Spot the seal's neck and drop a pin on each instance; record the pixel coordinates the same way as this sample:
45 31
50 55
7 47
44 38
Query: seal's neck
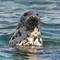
35 32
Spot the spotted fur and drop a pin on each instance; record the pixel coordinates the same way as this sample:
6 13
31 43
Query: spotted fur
28 31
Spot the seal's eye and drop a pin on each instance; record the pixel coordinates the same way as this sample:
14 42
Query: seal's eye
25 14
37 14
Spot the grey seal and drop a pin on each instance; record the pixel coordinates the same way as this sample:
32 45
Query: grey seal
28 31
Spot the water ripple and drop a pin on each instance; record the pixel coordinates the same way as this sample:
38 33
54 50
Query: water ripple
49 12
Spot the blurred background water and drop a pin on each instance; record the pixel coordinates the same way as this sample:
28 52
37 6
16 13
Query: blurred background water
49 11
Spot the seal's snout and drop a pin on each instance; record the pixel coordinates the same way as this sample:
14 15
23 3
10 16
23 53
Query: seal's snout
34 18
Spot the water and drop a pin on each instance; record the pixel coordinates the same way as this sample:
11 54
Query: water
49 11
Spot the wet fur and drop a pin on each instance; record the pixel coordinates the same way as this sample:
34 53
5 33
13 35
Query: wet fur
27 33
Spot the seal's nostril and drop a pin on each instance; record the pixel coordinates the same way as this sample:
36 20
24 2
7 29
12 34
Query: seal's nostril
31 17
34 18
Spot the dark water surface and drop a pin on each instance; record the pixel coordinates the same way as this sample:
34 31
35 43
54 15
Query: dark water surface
49 11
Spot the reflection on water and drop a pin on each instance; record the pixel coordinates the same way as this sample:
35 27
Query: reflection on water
28 56
29 53
49 11
29 49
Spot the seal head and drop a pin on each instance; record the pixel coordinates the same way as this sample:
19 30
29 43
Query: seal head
30 19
